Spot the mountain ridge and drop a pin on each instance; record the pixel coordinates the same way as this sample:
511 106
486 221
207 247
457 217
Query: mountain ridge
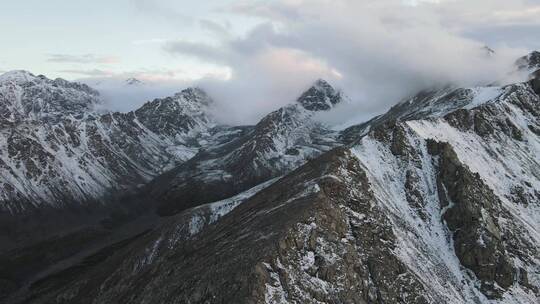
435 201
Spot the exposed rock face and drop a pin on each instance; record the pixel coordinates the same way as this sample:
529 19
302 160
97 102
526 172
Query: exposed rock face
65 166
472 212
320 97
342 228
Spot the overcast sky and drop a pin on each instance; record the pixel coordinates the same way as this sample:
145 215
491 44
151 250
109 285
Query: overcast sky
257 55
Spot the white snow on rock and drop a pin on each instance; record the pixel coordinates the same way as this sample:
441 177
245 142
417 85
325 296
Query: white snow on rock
483 95
502 162
56 149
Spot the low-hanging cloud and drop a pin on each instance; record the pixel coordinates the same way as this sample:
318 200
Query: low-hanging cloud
378 52
128 91
85 58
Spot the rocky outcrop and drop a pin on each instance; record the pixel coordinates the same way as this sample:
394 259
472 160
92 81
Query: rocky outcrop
472 212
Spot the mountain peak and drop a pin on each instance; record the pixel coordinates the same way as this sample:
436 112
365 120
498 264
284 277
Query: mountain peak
530 61
195 94
488 51
321 96
17 76
38 97
133 82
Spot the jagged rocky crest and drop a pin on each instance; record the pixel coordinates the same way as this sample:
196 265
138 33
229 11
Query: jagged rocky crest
435 201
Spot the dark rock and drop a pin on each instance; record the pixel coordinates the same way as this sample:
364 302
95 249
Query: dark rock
320 97
472 213
535 82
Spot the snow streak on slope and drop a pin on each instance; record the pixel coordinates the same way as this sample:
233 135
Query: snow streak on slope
483 95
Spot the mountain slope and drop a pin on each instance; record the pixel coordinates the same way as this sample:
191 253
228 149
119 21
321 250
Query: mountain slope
529 62
23 96
279 143
59 151
438 208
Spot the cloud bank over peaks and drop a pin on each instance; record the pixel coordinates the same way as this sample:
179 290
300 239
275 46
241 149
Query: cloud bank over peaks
378 52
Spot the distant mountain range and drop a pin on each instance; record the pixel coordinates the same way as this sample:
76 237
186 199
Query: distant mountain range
435 201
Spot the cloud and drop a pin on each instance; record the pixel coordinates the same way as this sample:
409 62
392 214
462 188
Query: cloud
88 73
274 10
378 52
162 10
263 82
117 95
149 41
519 35
85 59
202 51
218 30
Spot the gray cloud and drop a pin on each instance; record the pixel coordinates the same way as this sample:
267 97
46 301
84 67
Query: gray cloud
88 73
520 36
85 58
274 10
377 52
200 50
218 30
117 95
162 10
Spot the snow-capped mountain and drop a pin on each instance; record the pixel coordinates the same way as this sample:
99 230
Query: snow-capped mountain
59 151
24 96
435 201
426 104
282 141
